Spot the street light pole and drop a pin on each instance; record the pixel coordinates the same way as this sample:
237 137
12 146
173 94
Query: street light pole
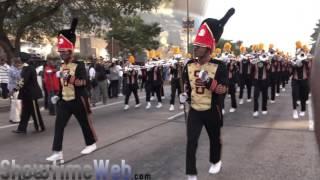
111 48
188 25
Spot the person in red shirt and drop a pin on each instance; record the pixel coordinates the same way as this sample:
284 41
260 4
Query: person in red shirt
51 82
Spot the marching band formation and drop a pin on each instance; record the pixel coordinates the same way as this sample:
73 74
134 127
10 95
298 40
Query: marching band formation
260 72
203 81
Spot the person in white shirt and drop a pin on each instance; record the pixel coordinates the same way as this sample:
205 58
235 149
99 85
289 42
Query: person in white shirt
4 78
93 84
14 77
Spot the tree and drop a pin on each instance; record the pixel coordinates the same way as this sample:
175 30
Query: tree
35 19
315 35
134 35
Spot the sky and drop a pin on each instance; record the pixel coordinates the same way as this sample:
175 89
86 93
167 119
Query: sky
280 22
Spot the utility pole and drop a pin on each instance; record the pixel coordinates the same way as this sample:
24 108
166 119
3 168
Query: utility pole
188 26
111 48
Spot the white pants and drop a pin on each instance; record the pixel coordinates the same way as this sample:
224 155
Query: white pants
15 108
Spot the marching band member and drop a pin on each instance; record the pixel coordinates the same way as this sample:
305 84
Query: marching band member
245 70
232 70
274 73
284 72
73 96
153 83
261 68
131 76
176 82
29 93
300 70
205 82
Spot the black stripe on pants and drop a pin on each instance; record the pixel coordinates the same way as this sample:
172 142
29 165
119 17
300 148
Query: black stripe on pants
245 81
132 88
30 108
260 86
212 121
64 111
232 92
150 87
299 92
175 86
273 85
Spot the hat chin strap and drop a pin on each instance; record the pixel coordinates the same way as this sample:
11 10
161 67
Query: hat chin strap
203 59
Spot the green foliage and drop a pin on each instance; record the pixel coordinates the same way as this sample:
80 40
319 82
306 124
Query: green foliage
34 19
134 35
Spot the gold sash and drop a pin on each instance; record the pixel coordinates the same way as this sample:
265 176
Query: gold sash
201 97
68 90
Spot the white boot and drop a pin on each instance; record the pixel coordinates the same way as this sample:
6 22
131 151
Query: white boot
232 110
181 106
89 149
295 114
126 107
137 105
192 177
264 112
249 100
272 101
255 114
159 105
171 107
277 94
241 101
148 105
223 112
152 98
56 156
215 168
302 113
283 89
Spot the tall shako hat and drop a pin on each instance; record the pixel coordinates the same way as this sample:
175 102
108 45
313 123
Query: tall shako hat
67 37
211 30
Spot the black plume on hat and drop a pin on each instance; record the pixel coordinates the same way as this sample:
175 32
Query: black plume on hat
216 26
70 33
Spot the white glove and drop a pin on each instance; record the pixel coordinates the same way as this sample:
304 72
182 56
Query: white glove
203 75
183 97
55 99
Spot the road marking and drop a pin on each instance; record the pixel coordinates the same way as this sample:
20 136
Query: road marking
176 115
310 113
94 108
7 126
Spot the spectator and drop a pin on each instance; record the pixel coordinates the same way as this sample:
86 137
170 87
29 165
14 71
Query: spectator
51 83
14 77
101 86
119 66
114 81
93 82
4 77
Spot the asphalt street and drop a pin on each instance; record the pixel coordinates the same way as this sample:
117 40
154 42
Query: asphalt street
271 147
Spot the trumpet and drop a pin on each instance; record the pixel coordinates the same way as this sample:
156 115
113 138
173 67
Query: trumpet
299 59
262 58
